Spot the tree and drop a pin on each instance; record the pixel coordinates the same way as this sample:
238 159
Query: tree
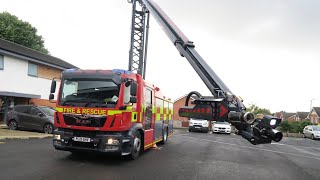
20 32
257 110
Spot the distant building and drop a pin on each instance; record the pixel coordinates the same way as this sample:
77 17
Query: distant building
314 115
302 116
25 75
286 115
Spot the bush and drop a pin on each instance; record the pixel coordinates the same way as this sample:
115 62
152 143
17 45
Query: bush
293 127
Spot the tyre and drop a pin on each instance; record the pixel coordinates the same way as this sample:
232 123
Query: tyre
13 125
304 136
165 136
137 146
48 128
312 137
190 130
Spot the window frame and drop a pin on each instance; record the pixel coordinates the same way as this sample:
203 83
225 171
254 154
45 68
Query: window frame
37 68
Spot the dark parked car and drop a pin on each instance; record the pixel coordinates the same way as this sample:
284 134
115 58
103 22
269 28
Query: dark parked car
31 117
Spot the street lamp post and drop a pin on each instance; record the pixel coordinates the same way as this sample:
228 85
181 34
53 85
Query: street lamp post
311 103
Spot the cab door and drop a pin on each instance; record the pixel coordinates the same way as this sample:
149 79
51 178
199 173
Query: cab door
148 118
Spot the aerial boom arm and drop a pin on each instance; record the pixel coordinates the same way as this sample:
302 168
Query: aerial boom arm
223 105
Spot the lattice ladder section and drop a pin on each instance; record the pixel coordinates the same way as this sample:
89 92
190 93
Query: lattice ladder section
139 38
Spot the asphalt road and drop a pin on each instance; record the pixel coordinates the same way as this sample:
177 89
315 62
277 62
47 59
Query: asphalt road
185 156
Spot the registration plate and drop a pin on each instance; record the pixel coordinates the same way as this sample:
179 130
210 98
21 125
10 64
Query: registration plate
81 139
197 127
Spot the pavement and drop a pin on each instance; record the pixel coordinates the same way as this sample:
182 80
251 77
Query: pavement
187 155
6 133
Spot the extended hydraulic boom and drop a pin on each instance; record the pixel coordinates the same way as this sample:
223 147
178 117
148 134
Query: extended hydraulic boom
223 105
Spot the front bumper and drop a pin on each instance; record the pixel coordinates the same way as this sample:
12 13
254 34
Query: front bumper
198 128
98 142
217 130
316 136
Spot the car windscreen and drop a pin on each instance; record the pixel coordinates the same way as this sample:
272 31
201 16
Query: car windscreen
221 123
316 128
88 91
48 111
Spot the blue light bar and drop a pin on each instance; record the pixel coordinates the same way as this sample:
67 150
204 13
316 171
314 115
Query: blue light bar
122 71
70 70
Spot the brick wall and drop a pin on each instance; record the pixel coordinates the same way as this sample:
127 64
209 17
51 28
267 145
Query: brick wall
47 72
42 102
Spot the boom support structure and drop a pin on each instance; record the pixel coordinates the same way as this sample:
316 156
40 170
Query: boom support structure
223 105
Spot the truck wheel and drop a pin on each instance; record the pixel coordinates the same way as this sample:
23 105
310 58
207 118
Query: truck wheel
13 125
136 148
165 136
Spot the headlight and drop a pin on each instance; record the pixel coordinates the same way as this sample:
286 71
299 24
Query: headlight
273 122
111 141
56 136
191 123
205 123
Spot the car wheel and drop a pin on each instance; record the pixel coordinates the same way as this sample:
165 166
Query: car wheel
48 128
312 137
190 130
13 125
136 148
304 136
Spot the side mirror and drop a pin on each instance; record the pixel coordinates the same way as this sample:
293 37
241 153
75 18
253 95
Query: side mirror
51 96
133 99
133 89
53 86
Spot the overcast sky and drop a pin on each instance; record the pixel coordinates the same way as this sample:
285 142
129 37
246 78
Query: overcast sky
266 51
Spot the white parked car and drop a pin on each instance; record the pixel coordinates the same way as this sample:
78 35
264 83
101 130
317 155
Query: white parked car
198 125
312 132
221 127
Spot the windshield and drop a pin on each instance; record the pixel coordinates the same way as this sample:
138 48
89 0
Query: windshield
316 128
221 123
48 111
89 92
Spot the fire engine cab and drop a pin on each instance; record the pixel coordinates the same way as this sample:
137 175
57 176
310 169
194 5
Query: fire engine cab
109 111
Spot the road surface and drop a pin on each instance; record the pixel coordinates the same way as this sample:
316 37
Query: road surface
187 155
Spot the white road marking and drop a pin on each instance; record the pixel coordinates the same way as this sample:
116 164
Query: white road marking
260 149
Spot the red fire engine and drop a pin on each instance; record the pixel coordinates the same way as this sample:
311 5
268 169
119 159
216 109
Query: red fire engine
110 111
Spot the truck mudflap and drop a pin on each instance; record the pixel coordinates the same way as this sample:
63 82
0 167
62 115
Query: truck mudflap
92 141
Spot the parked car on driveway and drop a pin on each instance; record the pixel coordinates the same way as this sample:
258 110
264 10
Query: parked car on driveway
221 127
198 125
312 132
31 117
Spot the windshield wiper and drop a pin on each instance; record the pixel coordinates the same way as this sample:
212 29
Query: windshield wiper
96 101
69 102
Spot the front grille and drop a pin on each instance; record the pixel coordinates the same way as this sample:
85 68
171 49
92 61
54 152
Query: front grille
197 125
80 133
83 144
222 128
88 121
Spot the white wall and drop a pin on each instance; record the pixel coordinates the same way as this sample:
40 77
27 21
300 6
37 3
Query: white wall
14 78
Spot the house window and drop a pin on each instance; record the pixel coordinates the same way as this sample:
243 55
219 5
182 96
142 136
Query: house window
1 62
32 69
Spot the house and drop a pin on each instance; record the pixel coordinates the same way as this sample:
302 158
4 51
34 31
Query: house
286 115
301 116
314 115
25 75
